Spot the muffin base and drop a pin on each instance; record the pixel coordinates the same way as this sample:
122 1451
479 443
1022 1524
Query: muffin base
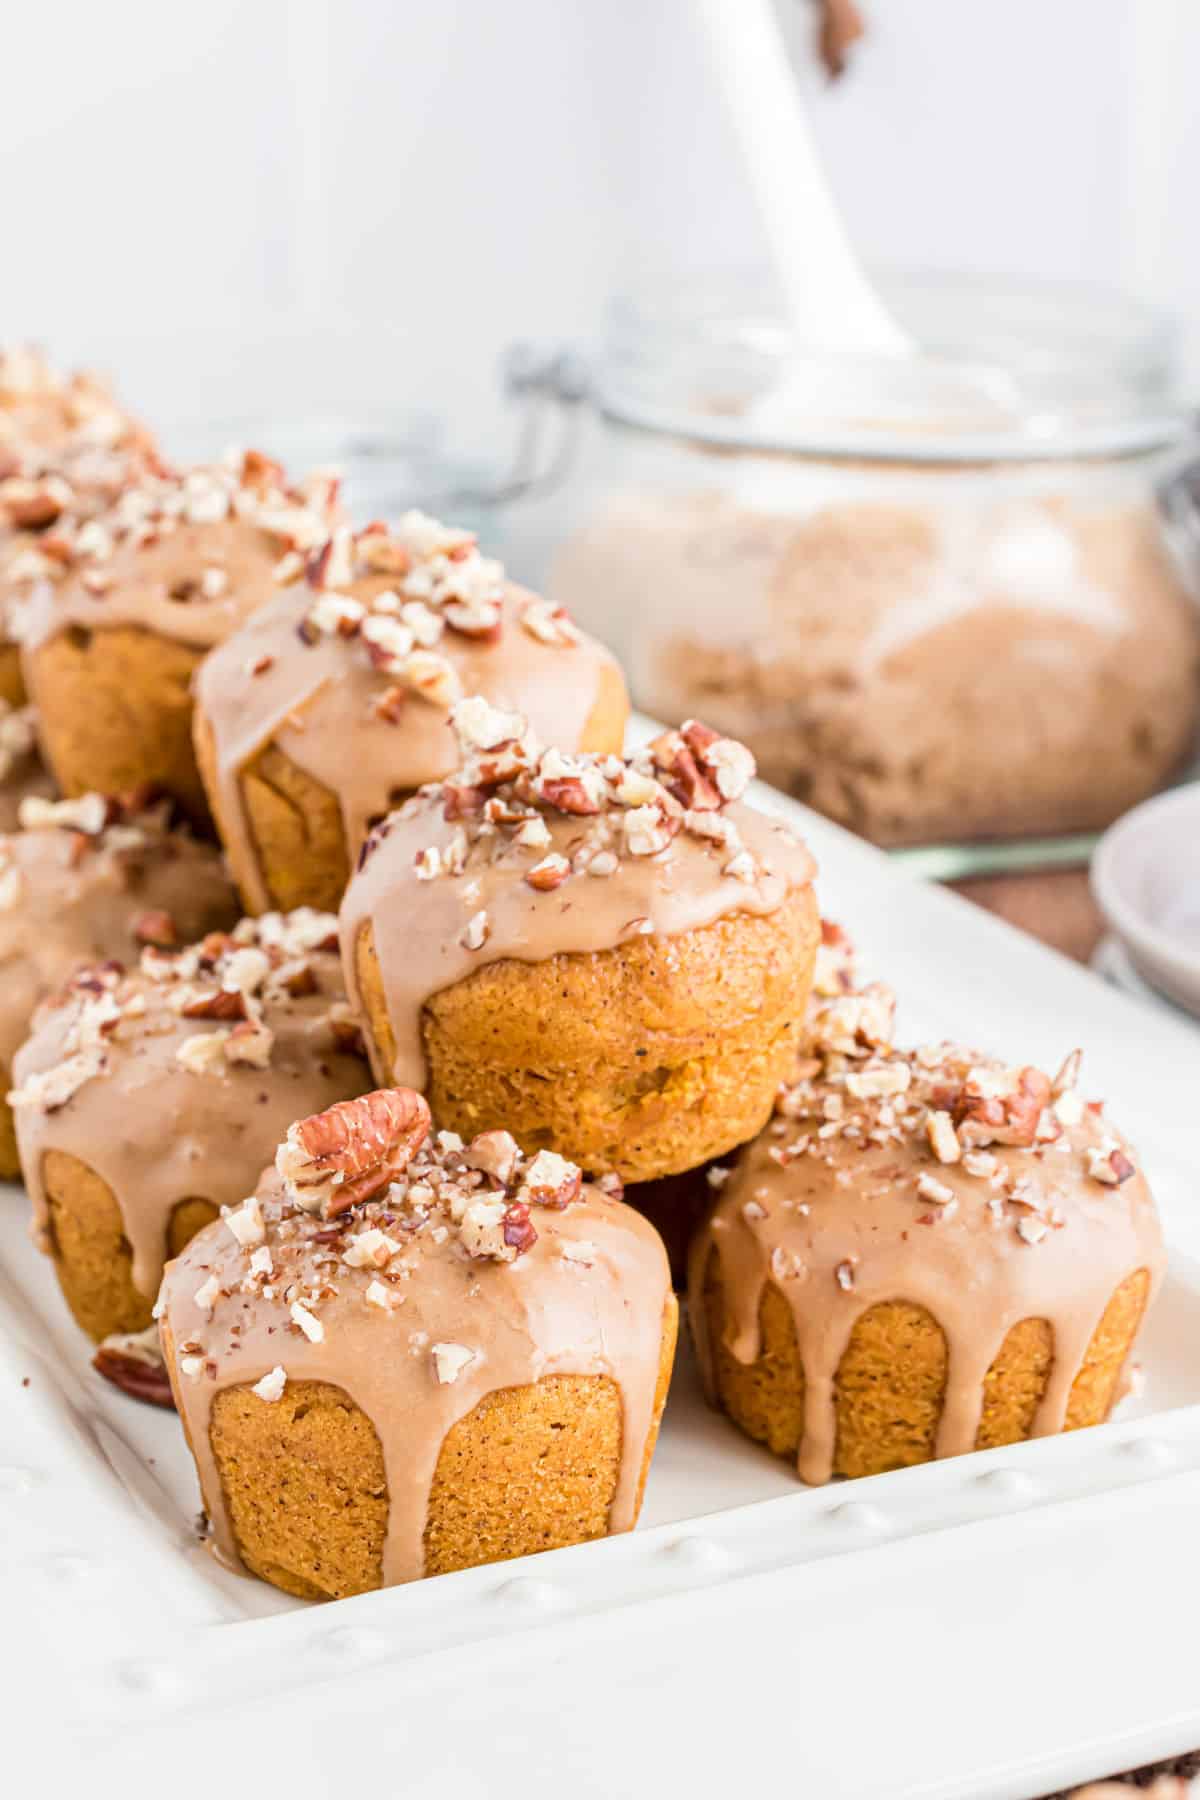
12 682
92 1259
891 1381
529 1469
115 714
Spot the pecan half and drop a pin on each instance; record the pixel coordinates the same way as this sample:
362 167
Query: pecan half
338 1158
136 1376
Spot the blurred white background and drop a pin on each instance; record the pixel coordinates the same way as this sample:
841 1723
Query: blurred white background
299 205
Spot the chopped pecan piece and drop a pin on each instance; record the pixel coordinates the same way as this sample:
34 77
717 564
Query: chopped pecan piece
221 1003
548 874
33 510
157 928
389 706
1010 1116
550 1180
570 795
460 800
519 1233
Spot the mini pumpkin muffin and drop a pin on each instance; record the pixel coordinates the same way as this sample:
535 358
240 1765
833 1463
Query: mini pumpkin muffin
925 1253
333 703
174 567
405 1354
22 773
612 956
42 408
49 491
87 880
147 1101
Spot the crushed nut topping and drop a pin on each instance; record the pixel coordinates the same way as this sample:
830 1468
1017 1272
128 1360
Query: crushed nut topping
422 581
947 1105
363 1191
449 1360
138 500
272 1384
508 792
243 983
78 405
102 823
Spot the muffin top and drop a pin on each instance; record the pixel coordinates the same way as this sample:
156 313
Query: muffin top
88 879
985 1193
418 1274
353 667
185 555
173 1080
48 499
40 408
529 853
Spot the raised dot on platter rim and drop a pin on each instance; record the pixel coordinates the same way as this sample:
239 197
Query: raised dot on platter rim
1013 1484
16 1480
149 1678
700 1552
861 1515
528 1592
1151 1450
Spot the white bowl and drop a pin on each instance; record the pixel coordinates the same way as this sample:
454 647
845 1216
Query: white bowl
1146 879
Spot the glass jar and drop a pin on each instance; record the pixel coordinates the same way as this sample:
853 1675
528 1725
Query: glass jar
941 603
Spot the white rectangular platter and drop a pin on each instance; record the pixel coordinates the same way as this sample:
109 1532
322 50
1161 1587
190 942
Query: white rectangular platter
1001 1625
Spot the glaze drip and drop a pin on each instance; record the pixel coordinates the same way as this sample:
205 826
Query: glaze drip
475 1270
77 885
526 854
983 1194
174 1082
351 670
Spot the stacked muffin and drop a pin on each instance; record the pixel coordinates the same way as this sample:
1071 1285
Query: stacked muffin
415 1328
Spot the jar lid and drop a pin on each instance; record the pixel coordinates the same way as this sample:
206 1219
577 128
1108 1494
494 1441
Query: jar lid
1003 371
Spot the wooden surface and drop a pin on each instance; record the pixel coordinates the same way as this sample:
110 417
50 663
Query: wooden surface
1054 905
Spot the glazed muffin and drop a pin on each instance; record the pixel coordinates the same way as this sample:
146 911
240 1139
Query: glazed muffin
333 703
84 881
22 772
612 957
925 1253
44 409
49 492
405 1355
147 1101
176 565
